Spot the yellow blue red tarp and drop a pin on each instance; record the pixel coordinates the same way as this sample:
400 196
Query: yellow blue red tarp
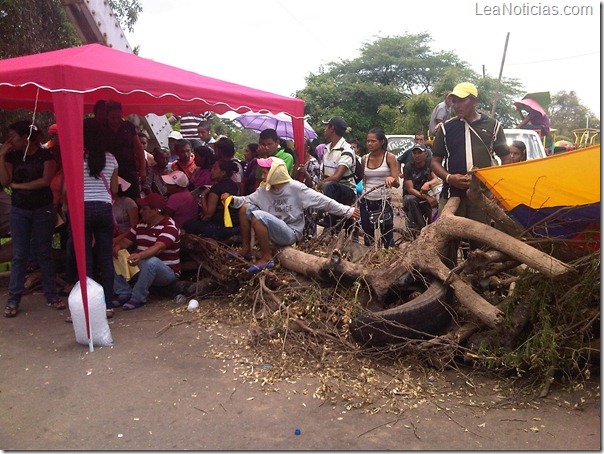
557 196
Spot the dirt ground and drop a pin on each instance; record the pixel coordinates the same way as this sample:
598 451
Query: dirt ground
185 387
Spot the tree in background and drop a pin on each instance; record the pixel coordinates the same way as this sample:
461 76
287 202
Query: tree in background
31 27
127 12
567 113
395 83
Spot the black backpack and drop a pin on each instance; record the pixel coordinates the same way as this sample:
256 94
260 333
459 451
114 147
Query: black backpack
358 170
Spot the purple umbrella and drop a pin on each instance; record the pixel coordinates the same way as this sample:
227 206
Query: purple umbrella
282 123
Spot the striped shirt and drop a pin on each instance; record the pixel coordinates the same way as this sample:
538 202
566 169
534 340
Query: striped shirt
341 154
188 125
164 231
97 189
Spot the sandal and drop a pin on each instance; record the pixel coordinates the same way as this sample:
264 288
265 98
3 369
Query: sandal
109 313
11 310
255 268
132 304
58 304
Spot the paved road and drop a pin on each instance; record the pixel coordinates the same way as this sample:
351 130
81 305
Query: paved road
165 392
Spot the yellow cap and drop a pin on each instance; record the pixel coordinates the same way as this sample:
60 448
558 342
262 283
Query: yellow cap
465 89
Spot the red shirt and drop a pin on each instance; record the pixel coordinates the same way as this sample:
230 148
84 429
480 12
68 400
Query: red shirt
187 169
164 231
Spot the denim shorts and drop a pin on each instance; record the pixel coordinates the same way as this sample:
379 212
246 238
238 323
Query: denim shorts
278 231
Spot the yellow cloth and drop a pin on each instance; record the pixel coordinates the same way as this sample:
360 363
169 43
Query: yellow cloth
277 174
122 267
571 178
227 214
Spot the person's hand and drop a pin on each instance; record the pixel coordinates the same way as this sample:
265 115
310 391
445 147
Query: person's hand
389 181
320 185
5 147
425 187
459 181
356 214
432 201
224 196
133 259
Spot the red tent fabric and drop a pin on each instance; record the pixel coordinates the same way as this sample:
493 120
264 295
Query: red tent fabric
70 81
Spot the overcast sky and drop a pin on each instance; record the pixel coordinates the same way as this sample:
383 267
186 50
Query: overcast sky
273 45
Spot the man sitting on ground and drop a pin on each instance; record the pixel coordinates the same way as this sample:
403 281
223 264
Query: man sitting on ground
157 253
275 211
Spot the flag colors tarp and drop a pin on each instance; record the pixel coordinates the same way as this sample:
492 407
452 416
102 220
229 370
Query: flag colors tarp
559 195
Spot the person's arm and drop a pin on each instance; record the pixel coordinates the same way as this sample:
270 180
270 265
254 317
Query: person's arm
456 180
124 243
392 181
50 168
139 158
6 169
115 184
212 201
152 251
133 218
338 174
524 121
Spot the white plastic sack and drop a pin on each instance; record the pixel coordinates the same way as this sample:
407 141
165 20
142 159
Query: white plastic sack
99 328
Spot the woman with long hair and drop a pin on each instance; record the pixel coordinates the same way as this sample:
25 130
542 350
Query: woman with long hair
27 169
100 186
380 173
211 222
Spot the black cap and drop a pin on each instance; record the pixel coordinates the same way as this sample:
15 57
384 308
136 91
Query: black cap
418 146
338 122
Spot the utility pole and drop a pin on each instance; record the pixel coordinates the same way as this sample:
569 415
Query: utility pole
496 100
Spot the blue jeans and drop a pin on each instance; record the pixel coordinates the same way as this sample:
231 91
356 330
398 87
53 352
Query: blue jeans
209 229
98 225
32 227
386 226
278 231
152 272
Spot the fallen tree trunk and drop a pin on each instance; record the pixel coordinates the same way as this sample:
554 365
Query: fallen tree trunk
422 256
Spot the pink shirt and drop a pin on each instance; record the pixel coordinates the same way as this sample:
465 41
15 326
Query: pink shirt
184 205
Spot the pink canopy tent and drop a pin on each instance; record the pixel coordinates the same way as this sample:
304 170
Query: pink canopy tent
70 81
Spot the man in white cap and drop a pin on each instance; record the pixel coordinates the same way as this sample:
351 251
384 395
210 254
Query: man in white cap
466 142
172 138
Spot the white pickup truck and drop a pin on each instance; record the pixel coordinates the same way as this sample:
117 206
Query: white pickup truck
534 145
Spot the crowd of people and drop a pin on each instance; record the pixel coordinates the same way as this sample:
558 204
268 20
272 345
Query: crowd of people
138 203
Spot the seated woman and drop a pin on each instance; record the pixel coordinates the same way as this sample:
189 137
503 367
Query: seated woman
204 160
248 181
211 222
125 211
